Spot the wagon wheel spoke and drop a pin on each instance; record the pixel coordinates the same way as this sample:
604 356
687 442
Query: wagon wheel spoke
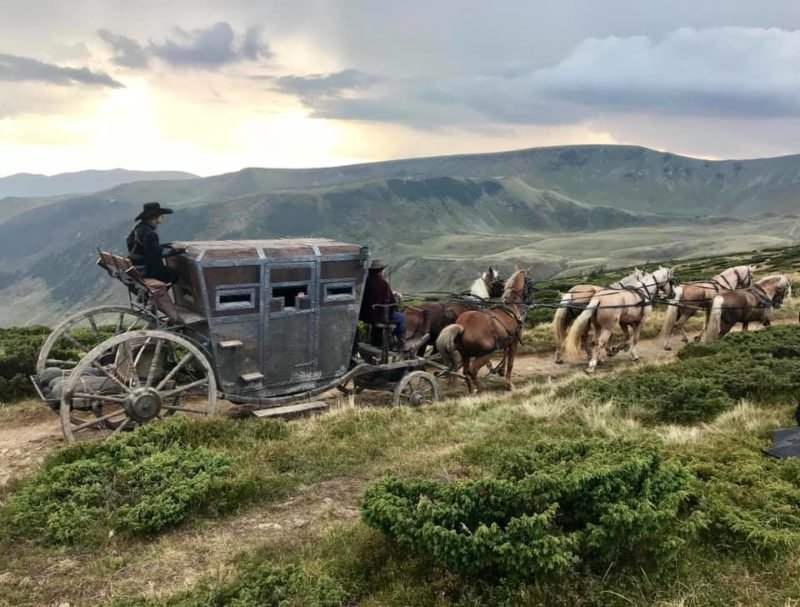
111 376
99 397
93 324
184 388
153 364
182 363
99 420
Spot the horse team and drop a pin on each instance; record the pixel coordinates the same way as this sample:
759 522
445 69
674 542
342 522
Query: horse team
476 329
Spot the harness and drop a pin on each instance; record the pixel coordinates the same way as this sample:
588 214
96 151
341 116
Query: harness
761 296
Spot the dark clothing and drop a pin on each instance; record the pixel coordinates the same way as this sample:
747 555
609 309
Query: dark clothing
378 294
145 252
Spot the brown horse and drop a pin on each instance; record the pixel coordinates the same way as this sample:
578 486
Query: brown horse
748 305
698 295
478 333
627 307
444 313
574 302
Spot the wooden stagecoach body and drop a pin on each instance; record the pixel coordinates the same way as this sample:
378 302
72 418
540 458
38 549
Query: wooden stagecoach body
278 316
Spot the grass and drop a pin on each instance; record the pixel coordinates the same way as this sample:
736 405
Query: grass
287 529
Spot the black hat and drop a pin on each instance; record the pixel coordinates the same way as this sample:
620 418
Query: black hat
377 264
152 209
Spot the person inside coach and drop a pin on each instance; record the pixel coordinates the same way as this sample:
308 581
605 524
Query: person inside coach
144 247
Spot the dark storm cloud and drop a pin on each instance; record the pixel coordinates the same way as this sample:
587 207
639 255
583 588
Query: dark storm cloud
208 48
319 86
16 68
127 52
211 47
730 72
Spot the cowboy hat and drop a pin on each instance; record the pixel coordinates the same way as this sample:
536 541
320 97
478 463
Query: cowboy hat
152 209
377 264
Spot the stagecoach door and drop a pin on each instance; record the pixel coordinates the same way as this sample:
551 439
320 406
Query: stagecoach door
292 310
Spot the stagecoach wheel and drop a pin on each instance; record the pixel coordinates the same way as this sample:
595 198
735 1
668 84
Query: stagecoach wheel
132 378
74 337
415 389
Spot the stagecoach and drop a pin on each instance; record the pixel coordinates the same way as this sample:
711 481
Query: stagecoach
259 323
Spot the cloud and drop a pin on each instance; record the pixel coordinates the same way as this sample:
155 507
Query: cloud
727 72
16 68
212 47
127 51
322 86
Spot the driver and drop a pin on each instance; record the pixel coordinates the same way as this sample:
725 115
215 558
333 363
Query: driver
144 248
378 293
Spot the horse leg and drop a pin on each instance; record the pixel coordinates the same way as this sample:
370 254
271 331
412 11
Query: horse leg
510 354
465 369
637 329
626 344
745 325
600 343
476 366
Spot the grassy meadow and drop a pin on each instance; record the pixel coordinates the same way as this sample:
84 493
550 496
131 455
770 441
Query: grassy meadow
643 486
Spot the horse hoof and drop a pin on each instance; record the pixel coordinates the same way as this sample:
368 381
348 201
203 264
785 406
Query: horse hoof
636 360
559 362
589 371
696 339
668 348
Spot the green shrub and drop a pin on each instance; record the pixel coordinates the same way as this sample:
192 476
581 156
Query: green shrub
261 585
751 500
550 509
763 366
138 484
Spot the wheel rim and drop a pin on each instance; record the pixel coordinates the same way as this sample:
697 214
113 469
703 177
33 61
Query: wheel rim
77 335
416 389
153 374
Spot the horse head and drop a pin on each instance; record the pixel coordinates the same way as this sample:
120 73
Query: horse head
664 281
519 287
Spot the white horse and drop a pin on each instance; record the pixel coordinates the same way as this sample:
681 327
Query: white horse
488 286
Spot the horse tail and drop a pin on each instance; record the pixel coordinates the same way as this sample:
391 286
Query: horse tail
714 320
561 319
573 351
673 311
446 343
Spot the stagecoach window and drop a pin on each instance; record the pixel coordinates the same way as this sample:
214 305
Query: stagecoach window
293 297
236 299
339 292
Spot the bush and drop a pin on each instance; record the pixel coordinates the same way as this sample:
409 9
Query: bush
136 485
763 366
550 508
259 585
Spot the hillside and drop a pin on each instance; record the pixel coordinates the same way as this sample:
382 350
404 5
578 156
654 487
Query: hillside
438 220
29 185
645 485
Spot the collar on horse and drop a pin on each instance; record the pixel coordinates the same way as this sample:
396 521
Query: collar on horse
762 297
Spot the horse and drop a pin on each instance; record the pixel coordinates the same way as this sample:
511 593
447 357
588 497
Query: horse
697 295
574 301
476 334
488 286
443 314
627 307
754 303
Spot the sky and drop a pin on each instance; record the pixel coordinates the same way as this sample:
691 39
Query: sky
215 86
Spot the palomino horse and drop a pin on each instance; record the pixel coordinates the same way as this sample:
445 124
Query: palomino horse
697 295
574 302
478 333
627 307
754 303
444 313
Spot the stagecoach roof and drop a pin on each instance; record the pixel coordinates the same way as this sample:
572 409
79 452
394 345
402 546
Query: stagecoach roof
257 249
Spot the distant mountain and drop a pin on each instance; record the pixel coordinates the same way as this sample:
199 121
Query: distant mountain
624 177
438 219
28 185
